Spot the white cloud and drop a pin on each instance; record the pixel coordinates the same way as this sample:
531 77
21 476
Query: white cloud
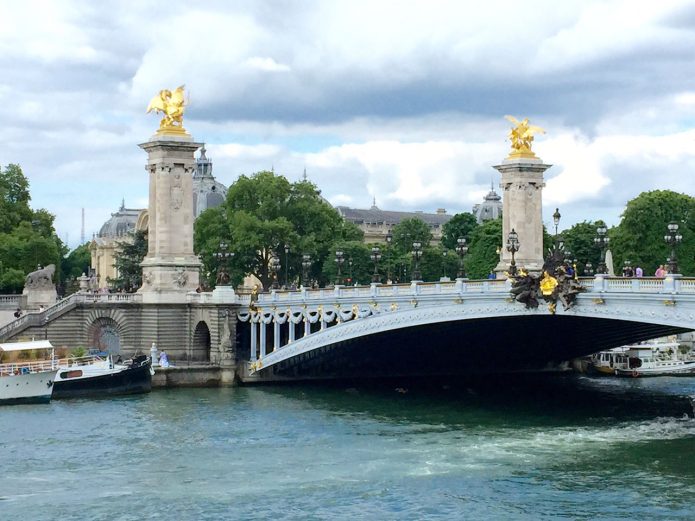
265 64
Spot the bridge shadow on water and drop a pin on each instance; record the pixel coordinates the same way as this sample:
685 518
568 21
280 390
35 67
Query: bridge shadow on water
531 399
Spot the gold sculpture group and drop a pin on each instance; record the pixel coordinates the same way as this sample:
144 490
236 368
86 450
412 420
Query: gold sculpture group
172 105
521 136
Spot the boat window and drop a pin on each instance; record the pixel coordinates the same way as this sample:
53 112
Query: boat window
71 374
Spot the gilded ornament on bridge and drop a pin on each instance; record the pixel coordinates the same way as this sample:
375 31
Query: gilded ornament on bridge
172 105
555 284
521 136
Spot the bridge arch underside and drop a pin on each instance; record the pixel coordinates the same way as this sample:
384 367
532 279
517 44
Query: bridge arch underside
473 346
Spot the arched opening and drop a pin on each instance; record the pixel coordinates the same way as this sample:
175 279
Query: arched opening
103 335
200 350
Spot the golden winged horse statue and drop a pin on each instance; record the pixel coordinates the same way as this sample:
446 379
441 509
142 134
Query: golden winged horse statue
172 105
521 136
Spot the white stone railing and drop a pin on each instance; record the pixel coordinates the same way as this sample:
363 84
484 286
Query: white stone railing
10 301
598 284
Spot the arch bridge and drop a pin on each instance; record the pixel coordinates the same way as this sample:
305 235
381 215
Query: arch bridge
453 327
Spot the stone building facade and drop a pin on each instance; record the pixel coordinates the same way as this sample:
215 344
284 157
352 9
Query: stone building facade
377 223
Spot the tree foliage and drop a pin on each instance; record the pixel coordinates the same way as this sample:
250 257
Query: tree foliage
262 215
460 225
127 260
27 237
579 240
639 237
482 256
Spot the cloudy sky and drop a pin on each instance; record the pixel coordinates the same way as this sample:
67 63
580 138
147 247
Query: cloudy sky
402 101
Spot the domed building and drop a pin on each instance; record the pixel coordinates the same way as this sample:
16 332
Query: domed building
207 193
104 244
490 208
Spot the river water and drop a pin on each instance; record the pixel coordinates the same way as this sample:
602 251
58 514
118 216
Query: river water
543 448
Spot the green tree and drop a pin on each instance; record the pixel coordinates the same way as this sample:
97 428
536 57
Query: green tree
27 237
211 229
639 237
357 266
262 215
399 259
483 254
579 239
127 260
460 225
76 263
14 198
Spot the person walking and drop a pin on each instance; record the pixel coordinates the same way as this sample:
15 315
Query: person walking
639 272
660 271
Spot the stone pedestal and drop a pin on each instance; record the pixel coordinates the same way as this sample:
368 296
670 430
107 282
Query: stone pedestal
224 295
522 183
37 298
170 268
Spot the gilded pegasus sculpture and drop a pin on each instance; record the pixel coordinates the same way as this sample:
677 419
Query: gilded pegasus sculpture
521 136
172 105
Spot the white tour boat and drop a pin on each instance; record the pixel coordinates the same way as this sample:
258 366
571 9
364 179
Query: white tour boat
27 381
652 358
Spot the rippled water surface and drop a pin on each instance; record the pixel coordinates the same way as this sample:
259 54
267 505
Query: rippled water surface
554 448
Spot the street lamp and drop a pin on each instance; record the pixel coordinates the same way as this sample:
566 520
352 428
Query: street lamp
274 268
512 247
461 250
389 240
287 264
223 255
350 268
556 220
376 257
306 265
339 260
589 269
673 239
444 256
417 254
601 240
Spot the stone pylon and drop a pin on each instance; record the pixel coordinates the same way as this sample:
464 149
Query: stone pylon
522 210
170 268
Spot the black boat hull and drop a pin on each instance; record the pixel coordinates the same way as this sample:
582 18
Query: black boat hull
134 380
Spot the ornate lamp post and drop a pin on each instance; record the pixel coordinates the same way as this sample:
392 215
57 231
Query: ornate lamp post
306 265
339 260
417 254
376 257
350 268
274 268
461 250
287 264
589 269
389 240
512 247
601 240
223 256
673 239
